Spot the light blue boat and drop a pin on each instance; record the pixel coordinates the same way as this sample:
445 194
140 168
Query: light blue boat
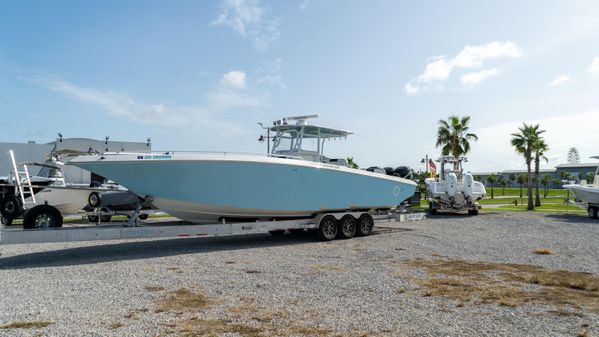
290 182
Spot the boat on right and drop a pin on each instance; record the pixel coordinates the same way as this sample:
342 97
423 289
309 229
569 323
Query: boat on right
588 193
454 190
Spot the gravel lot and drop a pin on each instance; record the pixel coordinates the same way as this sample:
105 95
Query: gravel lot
295 286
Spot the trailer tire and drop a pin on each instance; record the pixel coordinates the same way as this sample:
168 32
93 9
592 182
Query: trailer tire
11 207
42 216
6 221
347 227
94 199
473 212
365 225
277 232
143 216
327 228
593 212
92 218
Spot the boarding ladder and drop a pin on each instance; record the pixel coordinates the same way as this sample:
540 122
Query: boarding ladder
22 180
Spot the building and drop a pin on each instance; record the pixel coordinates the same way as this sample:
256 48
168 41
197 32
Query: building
573 171
66 148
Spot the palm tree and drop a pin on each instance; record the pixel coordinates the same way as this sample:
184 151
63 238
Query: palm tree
540 147
521 179
590 177
351 163
524 141
453 136
503 182
512 178
545 180
491 179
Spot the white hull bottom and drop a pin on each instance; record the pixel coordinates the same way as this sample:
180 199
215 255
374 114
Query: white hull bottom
201 213
587 194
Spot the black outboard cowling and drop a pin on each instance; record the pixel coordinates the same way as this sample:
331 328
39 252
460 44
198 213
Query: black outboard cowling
373 168
403 172
388 171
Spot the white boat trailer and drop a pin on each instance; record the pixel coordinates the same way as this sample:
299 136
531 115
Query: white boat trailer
327 226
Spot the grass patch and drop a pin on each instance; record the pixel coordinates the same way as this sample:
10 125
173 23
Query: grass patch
543 251
116 325
507 284
154 288
25 325
183 300
322 267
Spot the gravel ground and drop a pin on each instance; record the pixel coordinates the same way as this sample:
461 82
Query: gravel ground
293 285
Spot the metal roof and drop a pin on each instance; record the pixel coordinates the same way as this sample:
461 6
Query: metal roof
313 131
577 165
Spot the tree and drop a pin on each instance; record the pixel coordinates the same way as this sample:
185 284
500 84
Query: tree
512 178
590 177
491 179
453 136
540 147
503 182
582 176
521 179
545 180
351 163
524 142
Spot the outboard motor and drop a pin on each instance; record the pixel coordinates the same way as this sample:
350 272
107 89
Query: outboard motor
452 185
388 171
468 181
403 172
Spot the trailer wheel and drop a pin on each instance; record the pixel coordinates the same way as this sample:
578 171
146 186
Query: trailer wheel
92 218
42 216
6 221
143 216
431 208
473 212
347 227
593 212
327 228
11 207
94 199
365 225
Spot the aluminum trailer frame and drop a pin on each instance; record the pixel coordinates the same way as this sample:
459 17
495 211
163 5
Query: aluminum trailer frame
174 229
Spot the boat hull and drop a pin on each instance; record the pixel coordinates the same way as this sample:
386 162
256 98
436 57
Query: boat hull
208 188
588 194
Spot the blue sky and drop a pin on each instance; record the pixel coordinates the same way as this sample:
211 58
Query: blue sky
199 75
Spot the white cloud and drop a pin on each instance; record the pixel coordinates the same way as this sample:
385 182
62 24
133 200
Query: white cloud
273 75
121 105
560 80
472 79
470 57
304 4
562 132
234 79
247 18
594 68
411 89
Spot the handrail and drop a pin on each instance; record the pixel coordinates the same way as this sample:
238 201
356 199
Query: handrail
166 153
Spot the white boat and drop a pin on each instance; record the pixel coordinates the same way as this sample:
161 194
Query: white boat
294 180
454 190
588 193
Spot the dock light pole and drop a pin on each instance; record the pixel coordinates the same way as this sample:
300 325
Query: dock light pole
261 139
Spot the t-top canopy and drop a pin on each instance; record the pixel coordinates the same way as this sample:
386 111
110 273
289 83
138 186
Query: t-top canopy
311 131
